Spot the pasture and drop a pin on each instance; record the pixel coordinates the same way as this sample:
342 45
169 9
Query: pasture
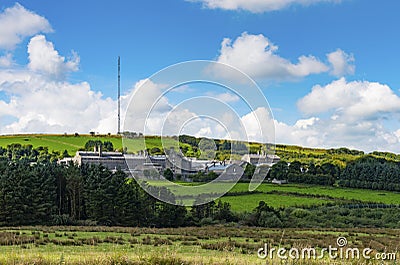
59 143
298 195
278 196
187 245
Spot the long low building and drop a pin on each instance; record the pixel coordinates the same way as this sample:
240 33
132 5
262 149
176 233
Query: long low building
111 160
153 166
135 164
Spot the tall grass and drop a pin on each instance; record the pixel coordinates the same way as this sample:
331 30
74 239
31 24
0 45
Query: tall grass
188 245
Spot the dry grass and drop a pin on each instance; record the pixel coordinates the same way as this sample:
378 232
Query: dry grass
189 245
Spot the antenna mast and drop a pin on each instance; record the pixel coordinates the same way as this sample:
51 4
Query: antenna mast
119 94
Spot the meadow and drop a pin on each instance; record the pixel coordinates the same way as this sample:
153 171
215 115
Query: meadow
187 245
73 143
57 142
246 203
286 195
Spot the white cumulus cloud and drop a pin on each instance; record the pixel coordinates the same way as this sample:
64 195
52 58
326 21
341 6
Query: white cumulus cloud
257 6
43 58
356 114
37 104
256 56
351 99
6 60
35 99
259 125
326 133
225 97
342 63
17 23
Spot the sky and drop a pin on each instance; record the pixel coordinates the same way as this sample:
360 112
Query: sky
328 68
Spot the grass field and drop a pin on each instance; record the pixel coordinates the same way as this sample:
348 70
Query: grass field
284 195
248 202
73 143
374 196
59 143
189 245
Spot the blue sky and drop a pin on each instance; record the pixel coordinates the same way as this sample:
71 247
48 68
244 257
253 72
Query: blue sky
59 73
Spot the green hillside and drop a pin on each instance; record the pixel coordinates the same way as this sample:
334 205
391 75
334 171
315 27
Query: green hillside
72 143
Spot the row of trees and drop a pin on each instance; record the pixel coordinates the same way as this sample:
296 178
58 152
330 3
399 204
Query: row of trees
35 190
106 145
17 152
322 216
31 193
367 172
296 172
371 173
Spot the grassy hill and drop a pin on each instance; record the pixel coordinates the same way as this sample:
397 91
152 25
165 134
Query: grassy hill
72 143
54 142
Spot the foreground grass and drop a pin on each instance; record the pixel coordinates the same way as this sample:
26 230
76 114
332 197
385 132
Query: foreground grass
110 254
189 245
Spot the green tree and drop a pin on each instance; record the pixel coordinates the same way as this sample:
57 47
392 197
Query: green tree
279 170
168 174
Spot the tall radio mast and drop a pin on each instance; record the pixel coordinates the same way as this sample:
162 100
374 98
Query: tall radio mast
119 95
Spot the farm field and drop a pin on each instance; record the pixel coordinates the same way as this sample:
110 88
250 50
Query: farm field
292 190
188 245
57 142
287 195
73 143
243 203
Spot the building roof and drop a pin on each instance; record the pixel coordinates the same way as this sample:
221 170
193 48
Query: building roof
220 167
96 154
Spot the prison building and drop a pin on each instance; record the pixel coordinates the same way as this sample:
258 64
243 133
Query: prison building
110 160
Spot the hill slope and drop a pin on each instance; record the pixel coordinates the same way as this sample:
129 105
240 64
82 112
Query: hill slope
54 142
72 143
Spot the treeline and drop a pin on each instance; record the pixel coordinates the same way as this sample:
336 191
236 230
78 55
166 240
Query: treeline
223 148
106 145
50 194
35 190
367 172
329 215
371 173
18 152
296 172
322 217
